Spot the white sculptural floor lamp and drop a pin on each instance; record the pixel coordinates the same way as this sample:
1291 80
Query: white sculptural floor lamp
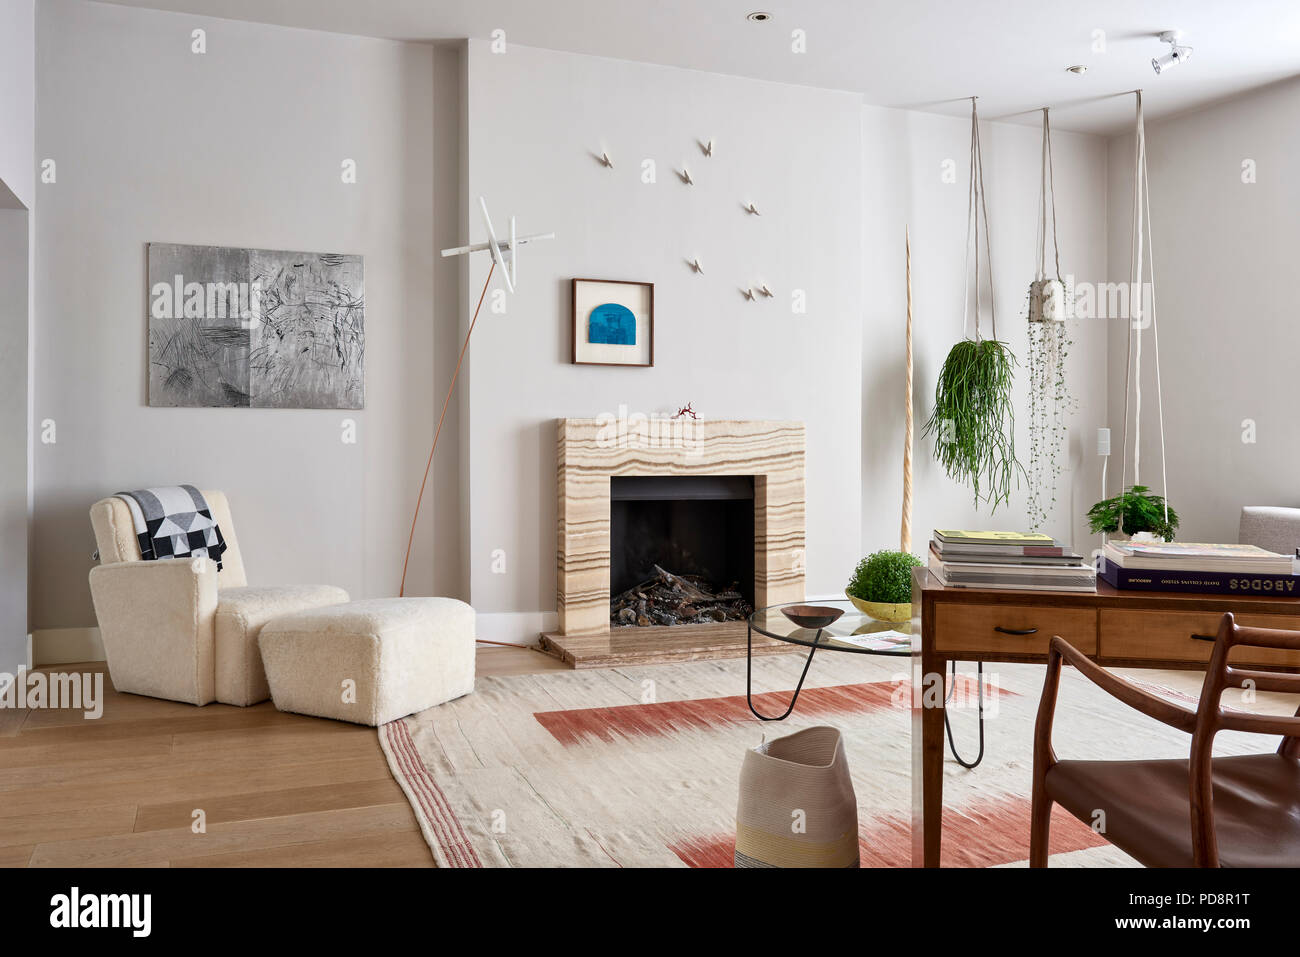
505 254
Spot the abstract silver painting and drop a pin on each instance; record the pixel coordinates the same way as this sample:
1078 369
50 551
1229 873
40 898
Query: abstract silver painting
257 328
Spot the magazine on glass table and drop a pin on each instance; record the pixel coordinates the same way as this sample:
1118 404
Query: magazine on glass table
879 640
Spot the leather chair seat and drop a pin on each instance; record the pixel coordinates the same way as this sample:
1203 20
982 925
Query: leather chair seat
1148 810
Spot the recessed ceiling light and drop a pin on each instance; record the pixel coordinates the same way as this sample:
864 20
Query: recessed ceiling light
1078 69
758 16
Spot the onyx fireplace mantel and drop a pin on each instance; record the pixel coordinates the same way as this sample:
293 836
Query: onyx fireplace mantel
592 451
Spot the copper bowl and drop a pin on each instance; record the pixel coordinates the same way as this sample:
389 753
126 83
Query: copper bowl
812 616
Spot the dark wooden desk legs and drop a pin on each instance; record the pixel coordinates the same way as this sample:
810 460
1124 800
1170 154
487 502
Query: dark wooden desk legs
927 759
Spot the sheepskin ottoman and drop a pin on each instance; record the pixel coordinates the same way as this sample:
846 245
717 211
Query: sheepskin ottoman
371 661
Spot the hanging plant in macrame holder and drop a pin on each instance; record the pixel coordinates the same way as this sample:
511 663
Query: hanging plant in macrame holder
1166 519
973 421
1050 401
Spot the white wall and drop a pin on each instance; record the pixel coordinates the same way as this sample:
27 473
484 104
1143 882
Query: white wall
535 119
240 146
14 330
904 153
17 102
1226 254
17 197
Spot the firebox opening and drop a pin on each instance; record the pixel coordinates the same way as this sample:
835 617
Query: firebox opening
699 530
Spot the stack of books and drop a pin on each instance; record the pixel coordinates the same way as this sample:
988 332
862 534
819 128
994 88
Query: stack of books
1024 561
1198 567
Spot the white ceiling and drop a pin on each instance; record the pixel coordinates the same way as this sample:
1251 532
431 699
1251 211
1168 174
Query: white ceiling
920 54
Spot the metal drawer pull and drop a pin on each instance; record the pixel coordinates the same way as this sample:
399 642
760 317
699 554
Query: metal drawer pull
1206 637
1015 631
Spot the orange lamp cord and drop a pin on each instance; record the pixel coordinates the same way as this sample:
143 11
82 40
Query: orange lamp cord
445 403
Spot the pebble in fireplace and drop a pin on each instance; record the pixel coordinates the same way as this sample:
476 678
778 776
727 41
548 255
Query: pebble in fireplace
681 549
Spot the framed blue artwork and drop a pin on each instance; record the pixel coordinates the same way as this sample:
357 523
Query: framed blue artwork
613 322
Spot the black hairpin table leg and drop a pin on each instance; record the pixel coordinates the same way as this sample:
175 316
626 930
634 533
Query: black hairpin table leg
979 691
749 667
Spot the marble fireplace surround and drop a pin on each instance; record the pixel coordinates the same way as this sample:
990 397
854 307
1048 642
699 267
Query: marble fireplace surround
591 451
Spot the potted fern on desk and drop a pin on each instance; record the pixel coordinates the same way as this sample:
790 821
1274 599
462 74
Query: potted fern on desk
1136 513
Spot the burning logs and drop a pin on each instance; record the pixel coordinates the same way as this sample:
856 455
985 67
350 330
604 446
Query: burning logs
668 599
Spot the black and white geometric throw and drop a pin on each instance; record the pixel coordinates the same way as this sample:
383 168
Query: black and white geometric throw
174 521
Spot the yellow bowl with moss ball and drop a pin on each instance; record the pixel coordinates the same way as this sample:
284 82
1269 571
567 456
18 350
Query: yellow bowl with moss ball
883 610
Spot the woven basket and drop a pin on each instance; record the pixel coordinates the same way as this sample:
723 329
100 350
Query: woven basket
797 807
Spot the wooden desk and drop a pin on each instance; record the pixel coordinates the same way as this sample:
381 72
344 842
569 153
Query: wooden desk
1129 629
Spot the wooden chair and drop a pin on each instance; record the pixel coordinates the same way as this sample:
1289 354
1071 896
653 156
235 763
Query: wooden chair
1238 811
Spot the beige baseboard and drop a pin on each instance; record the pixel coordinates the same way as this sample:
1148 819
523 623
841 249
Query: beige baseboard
63 646
514 628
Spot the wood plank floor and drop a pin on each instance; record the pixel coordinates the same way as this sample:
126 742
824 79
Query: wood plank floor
275 789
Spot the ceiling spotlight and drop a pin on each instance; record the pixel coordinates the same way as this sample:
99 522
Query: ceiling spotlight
1078 69
1176 55
758 16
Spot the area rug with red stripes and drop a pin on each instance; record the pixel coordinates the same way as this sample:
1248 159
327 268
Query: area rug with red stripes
639 766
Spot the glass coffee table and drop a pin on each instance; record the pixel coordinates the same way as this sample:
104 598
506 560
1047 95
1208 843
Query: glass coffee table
854 632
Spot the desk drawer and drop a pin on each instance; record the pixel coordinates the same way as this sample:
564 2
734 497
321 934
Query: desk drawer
975 628
1161 635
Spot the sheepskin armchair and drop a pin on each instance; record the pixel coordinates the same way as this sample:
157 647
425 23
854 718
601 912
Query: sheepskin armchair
177 628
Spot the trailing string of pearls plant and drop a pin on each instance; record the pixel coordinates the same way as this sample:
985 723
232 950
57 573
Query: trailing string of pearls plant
1050 401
